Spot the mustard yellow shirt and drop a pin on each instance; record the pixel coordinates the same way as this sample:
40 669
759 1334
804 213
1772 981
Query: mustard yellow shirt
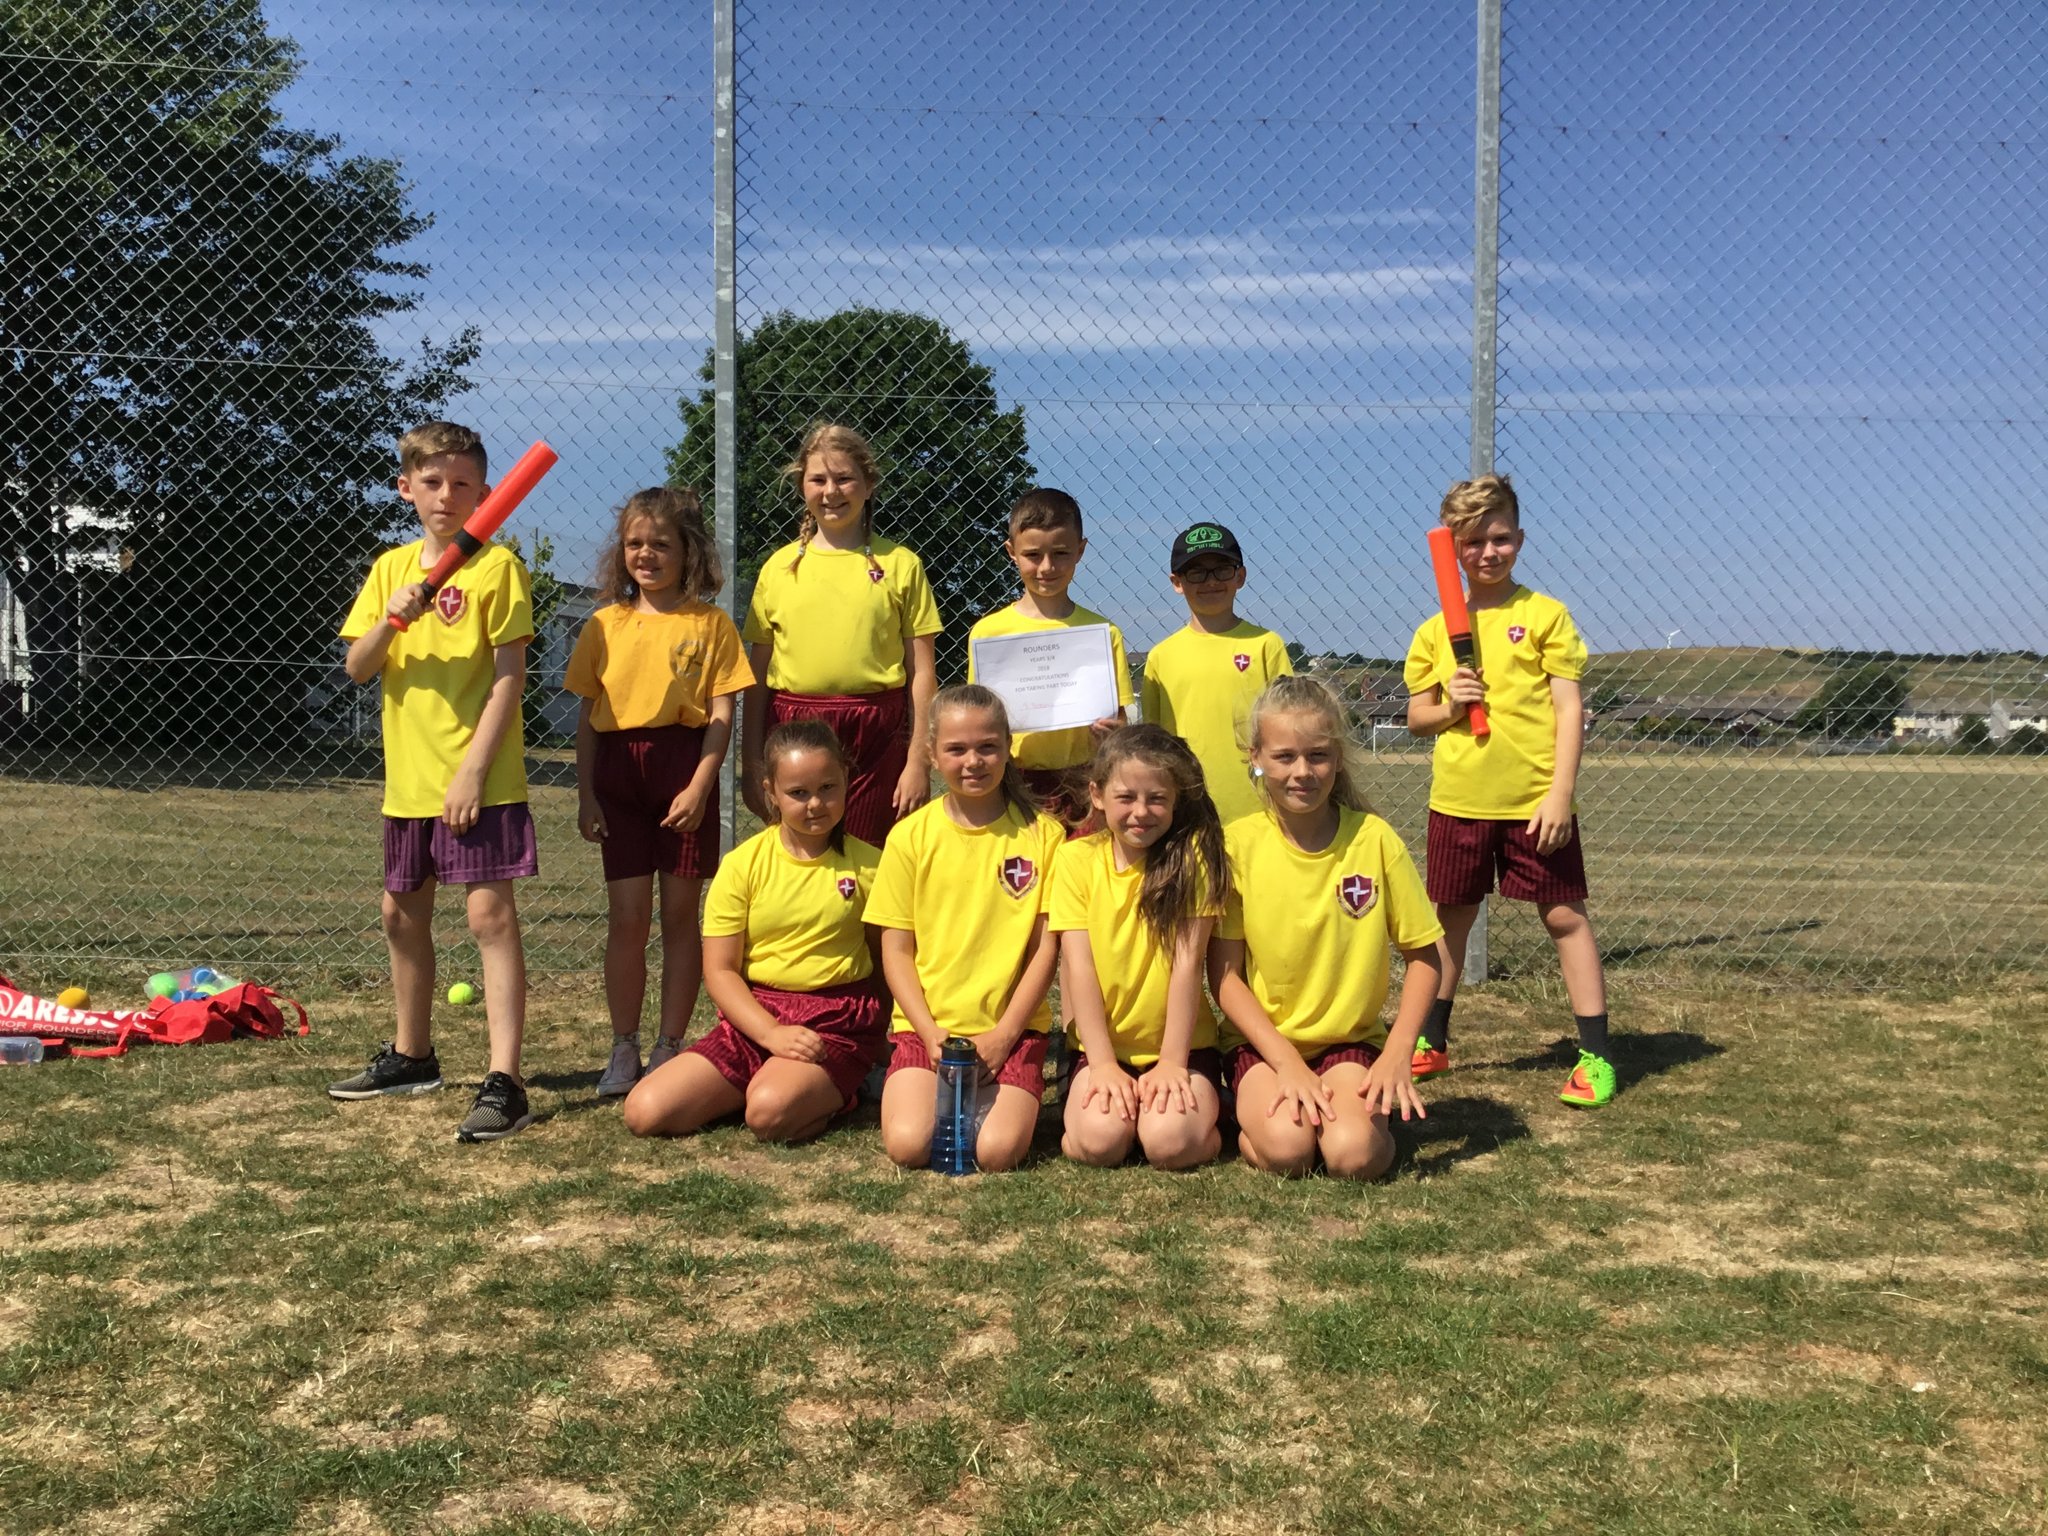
972 896
802 919
1522 644
1201 687
437 674
1090 894
646 669
1051 749
1319 929
839 624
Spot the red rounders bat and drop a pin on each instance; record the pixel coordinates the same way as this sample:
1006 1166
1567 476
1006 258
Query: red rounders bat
489 517
1450 592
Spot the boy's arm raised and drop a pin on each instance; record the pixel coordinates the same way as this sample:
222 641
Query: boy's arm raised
466 791
366 653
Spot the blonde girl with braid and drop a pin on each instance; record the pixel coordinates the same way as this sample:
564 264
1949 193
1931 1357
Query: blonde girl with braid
1133 907
843 628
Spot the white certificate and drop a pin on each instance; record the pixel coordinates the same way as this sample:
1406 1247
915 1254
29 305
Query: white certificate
1050 679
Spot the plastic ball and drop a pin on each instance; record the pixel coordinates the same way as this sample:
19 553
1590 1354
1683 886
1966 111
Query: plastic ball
462 994
74 997
162 984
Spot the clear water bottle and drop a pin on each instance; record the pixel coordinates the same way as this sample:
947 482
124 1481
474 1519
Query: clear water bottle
959 1072
20 1050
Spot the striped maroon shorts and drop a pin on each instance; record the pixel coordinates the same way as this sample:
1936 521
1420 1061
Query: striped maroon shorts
1465 857
1243 1058
875 730
850 1019
638 775
1023 1068
421 848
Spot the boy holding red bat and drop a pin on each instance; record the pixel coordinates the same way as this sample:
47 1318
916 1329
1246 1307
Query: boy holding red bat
1500 795
452 663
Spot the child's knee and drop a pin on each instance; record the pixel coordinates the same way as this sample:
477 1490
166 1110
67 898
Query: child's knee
1185 1141
1290 1156
906 1145
776 1114
1355 1150
1564 919
493 917
644 1112
1097 1140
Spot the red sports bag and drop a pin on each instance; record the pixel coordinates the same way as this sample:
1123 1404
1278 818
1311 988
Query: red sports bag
246 1009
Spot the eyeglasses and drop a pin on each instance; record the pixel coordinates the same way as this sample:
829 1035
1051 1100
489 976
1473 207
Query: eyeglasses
1209 575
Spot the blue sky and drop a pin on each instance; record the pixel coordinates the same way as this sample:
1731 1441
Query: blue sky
1772 352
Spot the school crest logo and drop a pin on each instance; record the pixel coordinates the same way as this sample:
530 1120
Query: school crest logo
1517 633
686 658
451 603
875 574
847 886
1019 874
1356 894
1242 662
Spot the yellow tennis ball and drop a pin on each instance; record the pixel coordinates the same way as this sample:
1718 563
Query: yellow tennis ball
74 997
462 994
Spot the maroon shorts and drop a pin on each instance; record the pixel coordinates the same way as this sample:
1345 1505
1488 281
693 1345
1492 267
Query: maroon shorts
1023 1068
421 848
638 775
852 1021
1464 857
1203 1061
875 730
1062 793
1243 1058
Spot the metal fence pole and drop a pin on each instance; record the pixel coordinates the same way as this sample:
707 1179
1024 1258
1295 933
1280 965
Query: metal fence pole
725 362
1485 306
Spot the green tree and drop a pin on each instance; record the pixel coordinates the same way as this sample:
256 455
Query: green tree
186 305
1973 734
548 593
1857 700
2026 741
951 461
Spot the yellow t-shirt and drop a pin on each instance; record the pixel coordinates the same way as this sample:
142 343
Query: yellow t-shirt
656 668
1319 928
437 675
837 624
1090 893
972 896
1051 749
1200 687
1522 644
802 920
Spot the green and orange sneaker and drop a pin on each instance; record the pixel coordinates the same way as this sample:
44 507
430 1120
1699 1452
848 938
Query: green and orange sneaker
1430 1060
1591 1083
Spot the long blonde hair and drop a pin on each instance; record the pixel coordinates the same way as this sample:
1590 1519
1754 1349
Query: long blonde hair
831 437
1297 695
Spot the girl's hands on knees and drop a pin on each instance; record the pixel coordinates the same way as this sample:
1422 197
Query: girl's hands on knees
590 819
1117 1089
686 810
912 790
792 1042
1390 1084
1166 1089
1302 1094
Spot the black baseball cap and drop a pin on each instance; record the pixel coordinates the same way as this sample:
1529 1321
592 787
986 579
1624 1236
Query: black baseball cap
1201 542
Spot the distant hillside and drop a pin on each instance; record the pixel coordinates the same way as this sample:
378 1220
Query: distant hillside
1756 673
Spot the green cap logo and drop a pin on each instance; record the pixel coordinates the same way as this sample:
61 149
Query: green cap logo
1204 536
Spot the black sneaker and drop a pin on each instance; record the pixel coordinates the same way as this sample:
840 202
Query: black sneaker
500 1110
390 1072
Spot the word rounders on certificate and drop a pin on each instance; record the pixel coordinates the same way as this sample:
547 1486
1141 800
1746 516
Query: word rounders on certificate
1050 679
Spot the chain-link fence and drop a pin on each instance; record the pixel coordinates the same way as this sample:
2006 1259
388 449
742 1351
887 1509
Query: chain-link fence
1768 382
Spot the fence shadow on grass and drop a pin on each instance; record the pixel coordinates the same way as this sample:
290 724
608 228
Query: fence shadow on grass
1622 954
1457 1130
1635 1056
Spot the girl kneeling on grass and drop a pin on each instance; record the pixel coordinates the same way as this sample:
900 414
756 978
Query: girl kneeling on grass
788 961
960 898
1133 906
1323 889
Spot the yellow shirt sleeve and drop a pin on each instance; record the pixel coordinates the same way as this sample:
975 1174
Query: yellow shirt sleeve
1424 668
585 672
373 601
508 601
914 599
732 889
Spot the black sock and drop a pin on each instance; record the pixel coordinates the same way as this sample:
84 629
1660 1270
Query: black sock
1592 1032
1438 1030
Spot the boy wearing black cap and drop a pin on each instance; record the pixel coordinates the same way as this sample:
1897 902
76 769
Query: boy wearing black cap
1200 681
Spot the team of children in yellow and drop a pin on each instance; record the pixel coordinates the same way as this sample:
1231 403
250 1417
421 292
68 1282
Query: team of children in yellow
1212 890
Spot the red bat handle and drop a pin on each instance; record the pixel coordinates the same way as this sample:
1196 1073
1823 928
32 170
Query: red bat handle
489 517
1450 595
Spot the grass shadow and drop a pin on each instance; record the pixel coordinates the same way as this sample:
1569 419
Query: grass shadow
1635 1056
1621 954
1457 1130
